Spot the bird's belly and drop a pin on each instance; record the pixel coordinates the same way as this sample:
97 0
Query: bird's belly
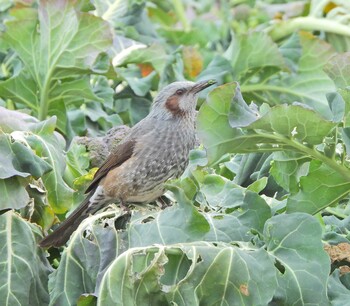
146 196
141 178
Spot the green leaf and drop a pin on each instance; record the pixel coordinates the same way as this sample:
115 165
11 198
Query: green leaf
8 163
189 275
24 268
220 192
258 185
38 211
338 294
154 55
240 114
87 300
227 228
254 212
253 50
287 168
93 246
122 47
295 242
13 193
337 106
309 84
320 188
50 146
281 127
41 157
16 121
294 121
17 159
57 46
77 161
217 69
212 122
140 85
179 223
338 69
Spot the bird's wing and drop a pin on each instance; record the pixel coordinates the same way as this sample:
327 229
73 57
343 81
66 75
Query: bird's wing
121 154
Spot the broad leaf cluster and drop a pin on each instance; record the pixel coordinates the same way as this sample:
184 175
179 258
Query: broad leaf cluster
261 214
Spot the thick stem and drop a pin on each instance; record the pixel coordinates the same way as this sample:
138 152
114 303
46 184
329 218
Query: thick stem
180 12
267 87
312 153
309 23
44 98
335 213
318 7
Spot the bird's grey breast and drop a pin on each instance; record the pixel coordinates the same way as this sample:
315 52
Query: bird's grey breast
162 151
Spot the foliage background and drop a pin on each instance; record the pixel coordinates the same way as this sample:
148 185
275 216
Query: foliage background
261 215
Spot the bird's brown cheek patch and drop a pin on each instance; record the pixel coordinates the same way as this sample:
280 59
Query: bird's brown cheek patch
173 105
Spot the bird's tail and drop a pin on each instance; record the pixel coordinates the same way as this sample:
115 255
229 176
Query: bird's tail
62 233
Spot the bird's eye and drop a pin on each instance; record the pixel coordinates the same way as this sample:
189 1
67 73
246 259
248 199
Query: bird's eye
180 92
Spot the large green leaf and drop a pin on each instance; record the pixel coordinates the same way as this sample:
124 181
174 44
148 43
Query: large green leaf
220 192
321 187
212 122
50 147
255 50
91 249
13 193
16 121
194 273
338 293
56 44
294 129
295 242
287 168
338 69
24 268
35 151
189 274
308 84
17 159
175 224
281 127
180 223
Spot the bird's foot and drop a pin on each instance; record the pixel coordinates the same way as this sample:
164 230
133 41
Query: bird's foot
162 203
124 207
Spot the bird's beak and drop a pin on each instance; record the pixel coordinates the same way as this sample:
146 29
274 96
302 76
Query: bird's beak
202 85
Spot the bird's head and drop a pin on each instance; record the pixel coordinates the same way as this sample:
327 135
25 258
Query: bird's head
178 99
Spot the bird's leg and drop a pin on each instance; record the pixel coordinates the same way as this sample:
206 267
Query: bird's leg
163 203
123 206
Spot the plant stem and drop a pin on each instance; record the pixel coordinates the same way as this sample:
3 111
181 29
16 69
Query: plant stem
264 87
44 98
317 8
10 105
312 153
284 28
335 213
180 12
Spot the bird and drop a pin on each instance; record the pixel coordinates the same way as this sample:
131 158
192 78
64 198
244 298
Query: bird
155 150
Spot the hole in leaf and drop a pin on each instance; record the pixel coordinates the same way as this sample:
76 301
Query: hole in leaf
122 221
175 269
4 210
199 259
279 266
148 219
87 234
218 217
